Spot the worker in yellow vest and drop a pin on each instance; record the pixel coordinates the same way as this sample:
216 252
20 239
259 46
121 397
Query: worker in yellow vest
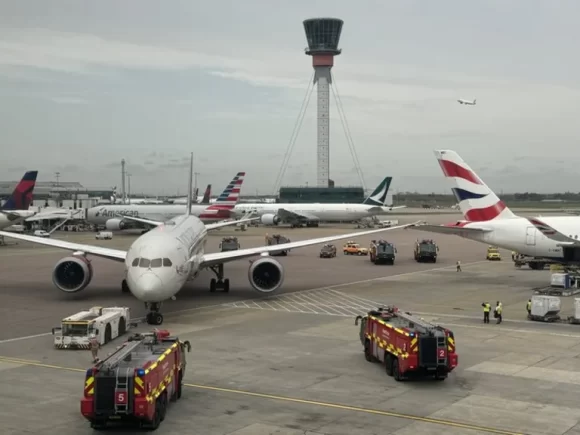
529 307
498 310
486 309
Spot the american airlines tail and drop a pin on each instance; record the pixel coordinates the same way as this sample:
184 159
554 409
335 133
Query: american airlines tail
379 195
477 201
21 198
231 195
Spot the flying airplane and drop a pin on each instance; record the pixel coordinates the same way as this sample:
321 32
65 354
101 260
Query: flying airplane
469 103
114 217
160 262
490 221
15 209
311 214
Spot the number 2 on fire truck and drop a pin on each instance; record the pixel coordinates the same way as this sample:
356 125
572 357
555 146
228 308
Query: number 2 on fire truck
441 353
121 397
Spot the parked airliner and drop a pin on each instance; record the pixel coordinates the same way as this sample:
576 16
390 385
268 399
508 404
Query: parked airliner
469 103
312 214
15 209
489 220
114 217
160 262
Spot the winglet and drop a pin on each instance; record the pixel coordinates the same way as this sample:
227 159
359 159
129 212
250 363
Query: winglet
551 233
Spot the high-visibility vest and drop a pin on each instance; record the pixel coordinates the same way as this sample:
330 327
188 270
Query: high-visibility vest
529 305
486 308
498 309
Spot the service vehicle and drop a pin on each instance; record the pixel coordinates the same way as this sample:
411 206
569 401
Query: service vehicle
104 235
328 251
407 345
106 323
229 243
533 262
277 239
135 383
382 252
493 254
425 251
353 248
41 233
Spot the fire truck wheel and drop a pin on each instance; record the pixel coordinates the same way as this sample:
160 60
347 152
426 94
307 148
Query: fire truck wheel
163 406
389 365
98 424
396 374
180 385
368 354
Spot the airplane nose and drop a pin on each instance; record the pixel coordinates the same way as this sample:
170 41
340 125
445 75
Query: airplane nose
149 283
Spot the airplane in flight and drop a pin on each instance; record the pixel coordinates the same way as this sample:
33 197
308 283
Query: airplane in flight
467 102
310 214
490 221
115 217
160 262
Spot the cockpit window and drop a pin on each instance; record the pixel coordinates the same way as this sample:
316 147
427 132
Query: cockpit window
167 262
144 262
156 262
135 262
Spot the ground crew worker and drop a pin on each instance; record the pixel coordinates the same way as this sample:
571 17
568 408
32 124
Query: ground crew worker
529 307
498 310
94 346
486 309
458 266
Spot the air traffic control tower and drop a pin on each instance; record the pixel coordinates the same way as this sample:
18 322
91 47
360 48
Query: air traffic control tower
323 35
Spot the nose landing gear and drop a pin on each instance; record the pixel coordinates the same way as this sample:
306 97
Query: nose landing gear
154 317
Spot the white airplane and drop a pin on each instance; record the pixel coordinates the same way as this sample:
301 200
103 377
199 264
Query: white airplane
160 262
116 217
469 103
490 221
15 209
311 214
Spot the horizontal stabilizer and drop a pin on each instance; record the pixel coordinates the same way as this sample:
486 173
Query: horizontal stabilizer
553 234
143 221
217 225
443 229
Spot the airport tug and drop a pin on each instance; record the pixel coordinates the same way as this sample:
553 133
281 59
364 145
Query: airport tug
407 345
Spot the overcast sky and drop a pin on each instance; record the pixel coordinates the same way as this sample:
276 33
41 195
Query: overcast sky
86 83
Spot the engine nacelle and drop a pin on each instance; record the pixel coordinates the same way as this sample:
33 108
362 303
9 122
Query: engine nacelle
270 219
266 275
115 224
72 274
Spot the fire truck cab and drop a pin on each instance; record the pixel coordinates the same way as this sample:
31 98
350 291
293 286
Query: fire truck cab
135 383
407 345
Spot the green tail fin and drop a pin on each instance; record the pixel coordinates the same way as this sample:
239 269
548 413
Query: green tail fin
379 195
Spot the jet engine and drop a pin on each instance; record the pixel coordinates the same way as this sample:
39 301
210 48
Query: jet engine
270 219
266 275
115 224
72 274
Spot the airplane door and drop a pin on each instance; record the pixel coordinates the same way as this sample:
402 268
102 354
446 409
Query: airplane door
531 236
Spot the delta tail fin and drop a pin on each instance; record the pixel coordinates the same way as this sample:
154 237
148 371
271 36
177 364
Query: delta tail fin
379 195
21 198
477 201
231 195
206 195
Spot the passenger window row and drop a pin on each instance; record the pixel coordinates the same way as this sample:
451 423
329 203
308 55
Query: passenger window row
156 262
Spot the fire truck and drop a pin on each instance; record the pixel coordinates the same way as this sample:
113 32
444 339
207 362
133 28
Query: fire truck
134 383
425 251
407 345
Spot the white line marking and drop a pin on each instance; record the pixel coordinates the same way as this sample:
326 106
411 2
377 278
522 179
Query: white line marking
28 337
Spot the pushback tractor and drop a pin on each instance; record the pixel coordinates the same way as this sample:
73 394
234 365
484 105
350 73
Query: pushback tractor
406 345
135 383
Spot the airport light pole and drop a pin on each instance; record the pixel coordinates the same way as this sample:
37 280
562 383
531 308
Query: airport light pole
129 187
57 174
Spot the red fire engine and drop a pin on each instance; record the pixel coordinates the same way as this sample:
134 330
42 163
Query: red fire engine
407 345
135 383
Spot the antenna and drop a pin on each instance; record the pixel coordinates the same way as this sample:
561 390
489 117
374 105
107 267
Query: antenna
189 187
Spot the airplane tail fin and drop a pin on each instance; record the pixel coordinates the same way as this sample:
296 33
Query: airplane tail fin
477 201
231 195
379 195
474 101
21 198
206 195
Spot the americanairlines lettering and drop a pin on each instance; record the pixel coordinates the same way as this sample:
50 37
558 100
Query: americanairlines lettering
117 213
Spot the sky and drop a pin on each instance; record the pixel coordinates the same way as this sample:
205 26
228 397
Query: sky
85 84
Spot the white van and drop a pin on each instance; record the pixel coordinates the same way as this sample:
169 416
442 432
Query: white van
41 233
104 235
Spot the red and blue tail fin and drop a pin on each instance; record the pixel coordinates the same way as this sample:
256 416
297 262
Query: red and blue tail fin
21 198
231 195
477 201
206 195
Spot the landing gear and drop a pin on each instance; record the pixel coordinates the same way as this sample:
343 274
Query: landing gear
154 317
220 283
125 286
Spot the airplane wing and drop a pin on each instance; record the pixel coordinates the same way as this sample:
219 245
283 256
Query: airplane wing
142 220
53 215
290 215
397 207
553 234
225 257
442 229
97 251
208 227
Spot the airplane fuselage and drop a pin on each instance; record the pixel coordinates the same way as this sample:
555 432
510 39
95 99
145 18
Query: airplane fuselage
518 234
325 212
158 263
8 218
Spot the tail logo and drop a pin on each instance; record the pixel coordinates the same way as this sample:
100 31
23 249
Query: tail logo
379 195
542 227
21 197
472 183
230 196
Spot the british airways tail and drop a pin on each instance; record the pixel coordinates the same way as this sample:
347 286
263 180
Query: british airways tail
21 198
477 201
379 195
231 195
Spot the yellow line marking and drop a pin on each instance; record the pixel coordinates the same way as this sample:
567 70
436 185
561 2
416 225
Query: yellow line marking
296 400
20 359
